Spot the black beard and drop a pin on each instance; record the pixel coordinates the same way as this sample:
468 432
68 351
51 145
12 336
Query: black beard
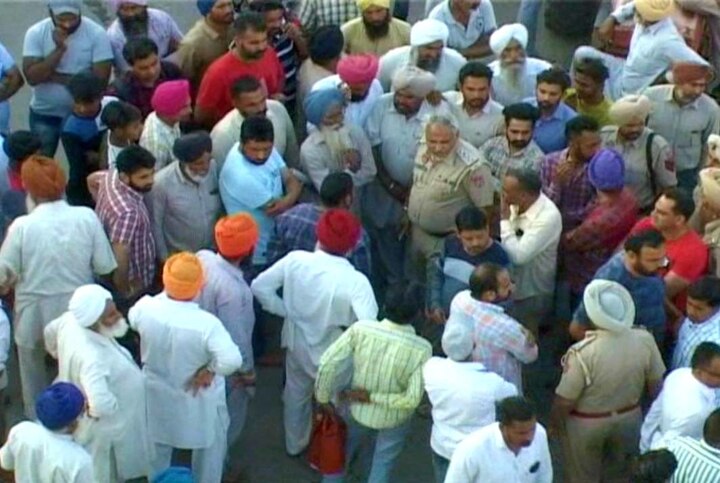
359 98
429 65
375 31
135 26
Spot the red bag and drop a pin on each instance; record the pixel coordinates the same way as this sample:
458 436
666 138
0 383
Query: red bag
326 452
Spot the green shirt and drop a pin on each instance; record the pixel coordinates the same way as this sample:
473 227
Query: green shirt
599 112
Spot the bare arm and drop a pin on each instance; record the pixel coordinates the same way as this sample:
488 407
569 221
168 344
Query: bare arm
481 48
674 284
38 71
122 273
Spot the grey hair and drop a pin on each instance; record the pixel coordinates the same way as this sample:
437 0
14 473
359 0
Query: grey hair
446 120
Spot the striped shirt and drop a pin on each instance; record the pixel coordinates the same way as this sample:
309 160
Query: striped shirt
388 360
692 335
285 50
698 462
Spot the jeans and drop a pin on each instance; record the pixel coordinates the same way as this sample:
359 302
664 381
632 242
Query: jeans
48 129
440 467
383 445
528 15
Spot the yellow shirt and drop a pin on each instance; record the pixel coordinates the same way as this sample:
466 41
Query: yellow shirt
598 112
357 41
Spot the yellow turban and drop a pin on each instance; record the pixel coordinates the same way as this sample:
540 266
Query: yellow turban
654 10
365 4
183 276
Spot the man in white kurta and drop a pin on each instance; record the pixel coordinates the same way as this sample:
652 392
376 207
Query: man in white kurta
47 254
114 428
322 293
686 400
186 352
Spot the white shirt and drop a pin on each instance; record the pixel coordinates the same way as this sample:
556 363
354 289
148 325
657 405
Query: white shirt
355 112
322 293
680 410
177 339
483 457
481 126
505 92
534 254
463 397
446 75
481 22
38 455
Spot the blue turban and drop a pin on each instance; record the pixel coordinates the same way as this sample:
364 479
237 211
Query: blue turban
59 405
205 6
174 474
318 103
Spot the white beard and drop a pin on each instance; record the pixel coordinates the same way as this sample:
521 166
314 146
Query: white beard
338 141
119 329
513 74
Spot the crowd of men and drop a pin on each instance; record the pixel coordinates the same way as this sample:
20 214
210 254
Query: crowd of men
418 207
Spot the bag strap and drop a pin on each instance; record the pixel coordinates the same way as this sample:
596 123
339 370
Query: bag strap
649 161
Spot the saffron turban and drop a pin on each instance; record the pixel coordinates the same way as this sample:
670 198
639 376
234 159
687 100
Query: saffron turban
88 303
59 405
607 170
115 4
190 147
338 231
501 38
318 103
171 97
710 186
59 7
236 235
630 108
365 4
427 32
358 69
654 10
43 178
609 305
418 82
183 276
683 72
204 6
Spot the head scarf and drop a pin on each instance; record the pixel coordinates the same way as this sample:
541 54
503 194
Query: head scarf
358 68
501 38
59 405
171 97
115 4
654 10
365 4
710 186
183 276
88 303
326 43
175 474
418 82
630 108
236 235
318 103
59 7
607 170
190 147
338 231
683 72
204 6
43 178
457 343
427 32
609 305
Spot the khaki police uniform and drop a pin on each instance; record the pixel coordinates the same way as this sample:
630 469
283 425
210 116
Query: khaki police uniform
439 192
606 374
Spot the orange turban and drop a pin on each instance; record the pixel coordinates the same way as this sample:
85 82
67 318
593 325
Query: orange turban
683 72
236 235
183 276
43 178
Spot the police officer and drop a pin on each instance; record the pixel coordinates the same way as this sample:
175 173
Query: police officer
449 174
597 403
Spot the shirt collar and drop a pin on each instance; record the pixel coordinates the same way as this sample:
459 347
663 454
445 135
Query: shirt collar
122 188
669 97
209 31
656 27
389 324
49 205
534 210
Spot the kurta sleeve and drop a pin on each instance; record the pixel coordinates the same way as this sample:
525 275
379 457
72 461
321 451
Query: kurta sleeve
50 335
266 285
103 259
237 310
11 250
7 457
312 159
100 399
225 355
363 301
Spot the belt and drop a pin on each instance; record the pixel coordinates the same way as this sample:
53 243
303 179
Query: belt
627 409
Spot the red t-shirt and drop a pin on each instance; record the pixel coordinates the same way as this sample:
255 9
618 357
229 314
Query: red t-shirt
688 257
214 94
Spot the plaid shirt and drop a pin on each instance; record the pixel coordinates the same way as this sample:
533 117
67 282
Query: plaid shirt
497 151
573 196
318 13
125 217
499 341
691 335
295 230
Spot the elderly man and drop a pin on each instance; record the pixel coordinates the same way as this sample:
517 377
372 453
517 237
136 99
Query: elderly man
186 352
480 117
44 451
597 402
185 200
685 116
206 41
587 95
54 49
35 257
394 128
448 175
514 72
134 20
470 23
376 31
702 323
356 79
249 99
649 162
314 313
655 45
335 145
114 429
427 50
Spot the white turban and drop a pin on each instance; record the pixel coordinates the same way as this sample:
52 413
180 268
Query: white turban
418 82
710 186
428 31
502 37
713 143
609 305
88 303
457 341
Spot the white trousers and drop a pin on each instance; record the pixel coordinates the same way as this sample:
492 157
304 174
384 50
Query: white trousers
238 400
34 376
300 372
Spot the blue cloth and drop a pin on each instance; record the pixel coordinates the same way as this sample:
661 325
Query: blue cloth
317 103
648 293
59 405
174 474
248 187
549 132
6 64
204 6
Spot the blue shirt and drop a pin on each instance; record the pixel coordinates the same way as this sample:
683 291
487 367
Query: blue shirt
249 187
6 64
549 132
648 293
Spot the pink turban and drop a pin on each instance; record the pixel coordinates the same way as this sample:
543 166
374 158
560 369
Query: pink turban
358 69
170 98
115 4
